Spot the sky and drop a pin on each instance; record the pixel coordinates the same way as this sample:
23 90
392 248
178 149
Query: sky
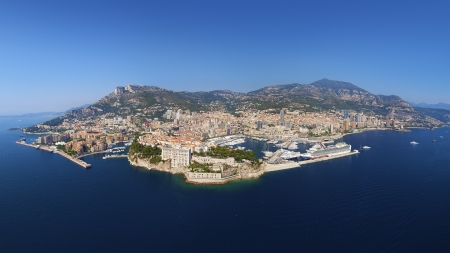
55 55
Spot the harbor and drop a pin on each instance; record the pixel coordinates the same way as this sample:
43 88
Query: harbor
281 159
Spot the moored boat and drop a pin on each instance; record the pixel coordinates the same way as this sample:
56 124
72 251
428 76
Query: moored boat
332 150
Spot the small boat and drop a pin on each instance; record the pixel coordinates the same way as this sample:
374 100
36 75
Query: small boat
414 143
433 140
366 147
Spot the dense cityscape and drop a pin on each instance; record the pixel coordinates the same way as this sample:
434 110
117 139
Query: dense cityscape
204 145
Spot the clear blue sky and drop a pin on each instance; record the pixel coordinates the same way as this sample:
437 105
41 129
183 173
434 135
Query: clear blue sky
59 54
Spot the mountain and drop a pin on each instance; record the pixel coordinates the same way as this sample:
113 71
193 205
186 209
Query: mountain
434 106
439 114
78 107
325 94
329 94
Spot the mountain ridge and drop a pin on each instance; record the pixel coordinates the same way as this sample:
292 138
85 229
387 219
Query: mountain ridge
324 94
434 106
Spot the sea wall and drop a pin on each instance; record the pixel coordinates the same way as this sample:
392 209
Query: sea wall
211 180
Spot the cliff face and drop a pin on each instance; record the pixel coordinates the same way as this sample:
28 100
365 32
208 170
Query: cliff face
247 171
162 166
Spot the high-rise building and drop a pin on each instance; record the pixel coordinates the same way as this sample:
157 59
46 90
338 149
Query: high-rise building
168 114
282 116
259 124
346 125
345 114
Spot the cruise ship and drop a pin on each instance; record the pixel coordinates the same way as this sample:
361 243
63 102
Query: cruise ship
323 151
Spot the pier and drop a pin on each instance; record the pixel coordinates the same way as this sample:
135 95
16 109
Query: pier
75 160
291 165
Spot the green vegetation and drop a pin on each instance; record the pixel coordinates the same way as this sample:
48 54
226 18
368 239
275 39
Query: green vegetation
112 100
54 122
156 159
106 108
439 114
199 167
147 152
238 154
33 129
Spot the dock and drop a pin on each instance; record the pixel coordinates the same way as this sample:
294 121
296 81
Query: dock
291 165
75 160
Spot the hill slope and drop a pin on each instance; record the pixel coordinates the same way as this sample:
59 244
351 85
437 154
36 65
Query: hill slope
152 101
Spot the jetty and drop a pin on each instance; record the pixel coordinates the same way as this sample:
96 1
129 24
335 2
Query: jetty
75 160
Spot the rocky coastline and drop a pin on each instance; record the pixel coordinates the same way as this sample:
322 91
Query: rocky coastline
245 171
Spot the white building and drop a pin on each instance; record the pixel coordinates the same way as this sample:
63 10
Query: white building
179 156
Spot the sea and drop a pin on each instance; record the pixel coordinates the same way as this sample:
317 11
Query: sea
394 197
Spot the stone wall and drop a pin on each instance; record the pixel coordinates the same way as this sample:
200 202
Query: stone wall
193 175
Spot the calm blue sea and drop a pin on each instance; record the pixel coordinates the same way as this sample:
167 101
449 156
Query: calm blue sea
394 197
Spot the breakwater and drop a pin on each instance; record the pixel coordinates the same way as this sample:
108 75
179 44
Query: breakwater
75 160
